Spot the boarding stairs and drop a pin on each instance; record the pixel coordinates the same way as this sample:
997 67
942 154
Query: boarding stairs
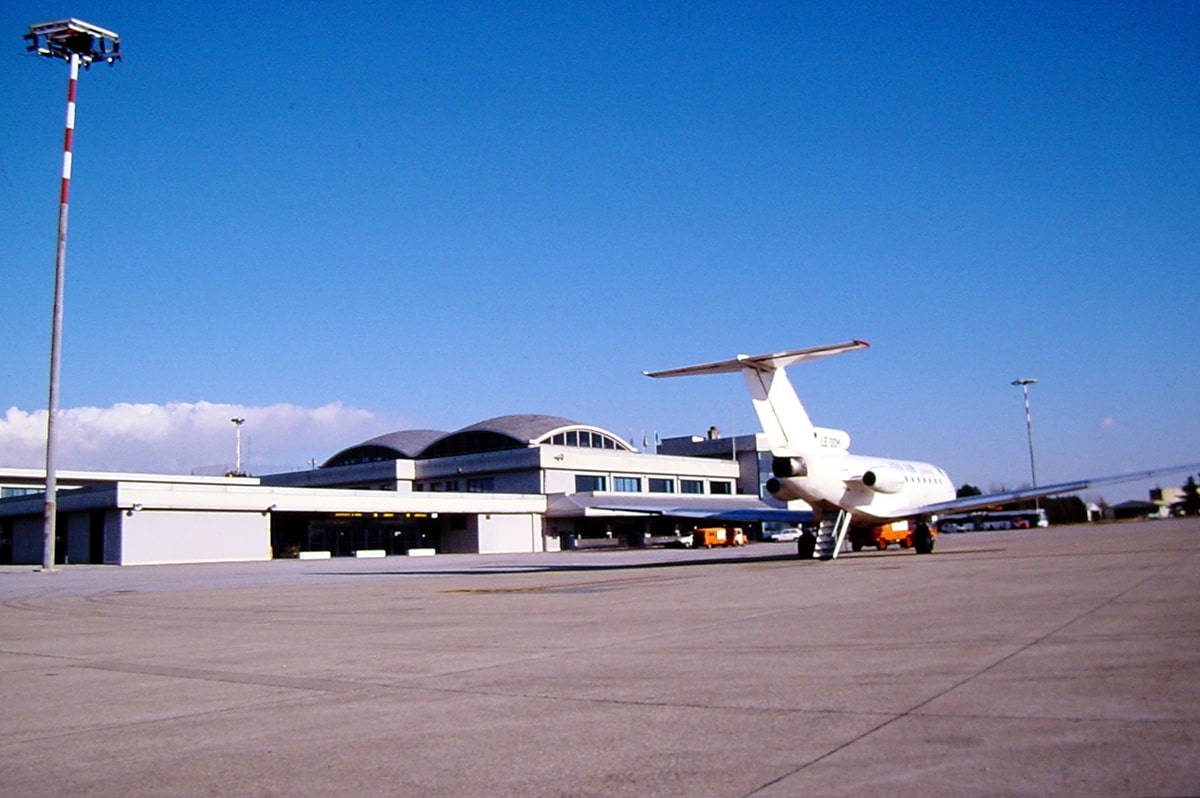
830 534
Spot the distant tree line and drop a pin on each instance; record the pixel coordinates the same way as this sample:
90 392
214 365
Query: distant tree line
1073 510
1190 503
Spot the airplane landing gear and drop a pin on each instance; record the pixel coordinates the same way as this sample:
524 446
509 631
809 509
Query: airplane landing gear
923 538
806 545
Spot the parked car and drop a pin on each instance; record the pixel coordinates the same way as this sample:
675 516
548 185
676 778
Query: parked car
679 540
788 535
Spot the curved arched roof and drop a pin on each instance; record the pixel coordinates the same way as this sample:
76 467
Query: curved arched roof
494 434
409 442
402 445
528 428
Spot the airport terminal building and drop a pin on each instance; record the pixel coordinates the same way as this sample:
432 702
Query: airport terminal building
517 483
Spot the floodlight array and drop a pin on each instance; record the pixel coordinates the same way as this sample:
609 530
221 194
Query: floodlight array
69 38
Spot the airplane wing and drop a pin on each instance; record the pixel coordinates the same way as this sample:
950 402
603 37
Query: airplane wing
761 362
738 507
719 514
1005 497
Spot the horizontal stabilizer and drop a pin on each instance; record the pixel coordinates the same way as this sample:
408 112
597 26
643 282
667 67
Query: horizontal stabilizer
761 362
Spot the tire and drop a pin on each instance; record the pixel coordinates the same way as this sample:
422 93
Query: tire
881 544
806 546
923 539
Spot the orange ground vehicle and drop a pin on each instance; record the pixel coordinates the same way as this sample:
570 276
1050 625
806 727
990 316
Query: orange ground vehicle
718 536
882 536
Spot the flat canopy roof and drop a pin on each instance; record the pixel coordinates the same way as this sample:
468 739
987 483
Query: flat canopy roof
270 499
36 477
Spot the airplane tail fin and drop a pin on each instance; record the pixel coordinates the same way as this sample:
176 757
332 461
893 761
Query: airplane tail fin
784 419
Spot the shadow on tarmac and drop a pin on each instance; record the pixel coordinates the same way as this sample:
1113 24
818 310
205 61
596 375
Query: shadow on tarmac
548 568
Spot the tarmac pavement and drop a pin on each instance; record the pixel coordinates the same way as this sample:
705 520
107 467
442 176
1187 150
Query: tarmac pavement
1046 662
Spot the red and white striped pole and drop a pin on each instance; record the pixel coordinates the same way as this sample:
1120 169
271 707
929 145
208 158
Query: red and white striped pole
50 509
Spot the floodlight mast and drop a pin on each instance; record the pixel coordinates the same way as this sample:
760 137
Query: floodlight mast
77 43
1025 383
237 469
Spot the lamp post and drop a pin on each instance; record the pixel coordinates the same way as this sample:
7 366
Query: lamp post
77 43
1025 383
237 468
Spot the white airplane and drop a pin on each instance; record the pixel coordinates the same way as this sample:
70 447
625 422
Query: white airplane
814 464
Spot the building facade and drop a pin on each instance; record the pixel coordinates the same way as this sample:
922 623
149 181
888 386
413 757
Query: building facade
519 483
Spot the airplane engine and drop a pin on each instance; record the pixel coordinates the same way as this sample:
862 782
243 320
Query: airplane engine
884 479
784 467
785 490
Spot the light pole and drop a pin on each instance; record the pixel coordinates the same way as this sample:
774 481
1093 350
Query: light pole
237 469
1025 383
76 43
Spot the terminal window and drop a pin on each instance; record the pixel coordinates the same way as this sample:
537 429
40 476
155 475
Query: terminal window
720 487
691 486
585 439
8 493
658 485
586 482
627 484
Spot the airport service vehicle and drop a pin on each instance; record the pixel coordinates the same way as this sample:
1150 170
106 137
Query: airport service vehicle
880 536
847 490
718 536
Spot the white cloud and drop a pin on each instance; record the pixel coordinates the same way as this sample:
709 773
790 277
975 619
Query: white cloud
181 436
1107 423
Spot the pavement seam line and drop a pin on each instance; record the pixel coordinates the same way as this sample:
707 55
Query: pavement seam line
966 680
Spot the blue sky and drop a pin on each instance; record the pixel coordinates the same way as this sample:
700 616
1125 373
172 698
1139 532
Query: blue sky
424 215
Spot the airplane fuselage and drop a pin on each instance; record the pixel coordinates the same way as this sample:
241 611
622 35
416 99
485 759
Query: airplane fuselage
871 489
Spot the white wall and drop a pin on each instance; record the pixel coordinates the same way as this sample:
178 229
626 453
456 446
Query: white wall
195 536
552 535
507 534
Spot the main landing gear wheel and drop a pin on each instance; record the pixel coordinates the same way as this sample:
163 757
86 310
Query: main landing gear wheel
806 545
923 539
